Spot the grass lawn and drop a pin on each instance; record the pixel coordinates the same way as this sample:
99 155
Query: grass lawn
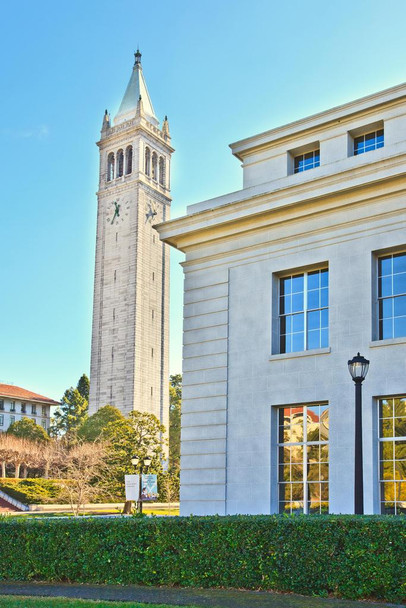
15 601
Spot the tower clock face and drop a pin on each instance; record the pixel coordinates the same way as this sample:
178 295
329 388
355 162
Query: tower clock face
150 211
117 211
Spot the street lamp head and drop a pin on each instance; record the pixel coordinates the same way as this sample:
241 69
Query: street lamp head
147 461
358 367
134 460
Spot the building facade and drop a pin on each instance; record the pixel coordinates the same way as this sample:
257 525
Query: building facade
17 403
285 281
129 357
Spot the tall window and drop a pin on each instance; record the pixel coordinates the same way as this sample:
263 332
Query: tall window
120 163
392 454
110 167
33 409
303 459
162 171
369 141
392 296
1 419
303 311
154 166
23 408
310 160
128 160
147 161
44 410
1 405
12 419
12 406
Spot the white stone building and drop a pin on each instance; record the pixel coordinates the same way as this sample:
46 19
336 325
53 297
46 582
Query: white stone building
129 359
17 403
285 280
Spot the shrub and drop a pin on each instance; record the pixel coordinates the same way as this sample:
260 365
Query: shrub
32 491
348 556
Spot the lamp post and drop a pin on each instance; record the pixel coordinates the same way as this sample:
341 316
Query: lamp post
135 460
358 367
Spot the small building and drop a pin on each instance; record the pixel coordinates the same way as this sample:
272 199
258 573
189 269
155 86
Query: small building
17 403
285 281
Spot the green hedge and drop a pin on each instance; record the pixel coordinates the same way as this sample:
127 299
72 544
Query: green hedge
351 557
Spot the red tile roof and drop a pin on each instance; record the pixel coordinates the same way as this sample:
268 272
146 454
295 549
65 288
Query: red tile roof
9 390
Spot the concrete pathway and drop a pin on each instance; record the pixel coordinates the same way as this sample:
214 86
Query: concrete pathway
212 598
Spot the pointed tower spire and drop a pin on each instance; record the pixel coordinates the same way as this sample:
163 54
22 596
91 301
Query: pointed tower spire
136 88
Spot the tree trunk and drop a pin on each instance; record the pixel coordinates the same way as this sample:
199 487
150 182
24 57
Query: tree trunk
46 471
128 507
3 469
25 471
17 471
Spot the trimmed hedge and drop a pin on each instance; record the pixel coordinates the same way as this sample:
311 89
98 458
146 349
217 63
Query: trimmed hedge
352 557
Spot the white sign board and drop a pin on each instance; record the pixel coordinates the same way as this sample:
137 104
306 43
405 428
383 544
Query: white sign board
132 487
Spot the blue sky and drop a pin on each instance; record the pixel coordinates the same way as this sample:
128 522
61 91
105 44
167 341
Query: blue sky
220 70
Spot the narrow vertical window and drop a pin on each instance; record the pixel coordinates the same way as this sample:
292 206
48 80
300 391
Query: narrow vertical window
154 166
162 171
392 296
392 455
303 459
115 275
152 390
110 167
128 160
152 352
147 161
120 163
303 311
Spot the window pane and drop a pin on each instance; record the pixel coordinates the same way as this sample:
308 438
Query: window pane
297 342
313 280
386 427
399 263
400 406
313 339
313 320
399 327
386 470
297 284
324 338
385 266
298 322
399 283
400 450
324 298
313 299
385 287
399 307
297 302
313 472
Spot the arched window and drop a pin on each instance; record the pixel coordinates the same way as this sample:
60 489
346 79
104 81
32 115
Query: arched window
147 161
162 171
120 163
154 166
128 160
110 167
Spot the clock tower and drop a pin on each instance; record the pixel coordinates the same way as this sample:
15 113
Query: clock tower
129 358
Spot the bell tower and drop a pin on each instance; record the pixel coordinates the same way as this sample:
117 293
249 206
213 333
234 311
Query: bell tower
130 332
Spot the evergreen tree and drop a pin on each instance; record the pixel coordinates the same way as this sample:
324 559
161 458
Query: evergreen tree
93 428
73 409
26 428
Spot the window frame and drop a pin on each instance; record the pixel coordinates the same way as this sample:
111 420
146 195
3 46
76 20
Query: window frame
389 439
378 300
305 311
280 445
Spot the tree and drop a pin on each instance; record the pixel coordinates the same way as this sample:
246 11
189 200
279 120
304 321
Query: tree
84 386
141 434
175 407
83 466
26 428
94 426
72 411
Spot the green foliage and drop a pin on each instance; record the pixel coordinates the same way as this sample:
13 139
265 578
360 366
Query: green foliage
84 386
175 406
9 601
32 491
73 409
140 434
26 428
94 426
349 556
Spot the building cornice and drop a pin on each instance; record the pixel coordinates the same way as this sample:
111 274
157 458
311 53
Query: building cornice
123 130
267 207
388 97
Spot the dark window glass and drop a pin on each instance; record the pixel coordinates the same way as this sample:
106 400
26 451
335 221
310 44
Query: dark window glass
310 160
392 296
303 311
368 142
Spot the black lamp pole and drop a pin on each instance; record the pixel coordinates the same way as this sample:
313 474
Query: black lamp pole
135 461
358 368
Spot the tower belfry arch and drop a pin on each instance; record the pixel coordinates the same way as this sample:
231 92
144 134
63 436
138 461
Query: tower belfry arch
130 331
